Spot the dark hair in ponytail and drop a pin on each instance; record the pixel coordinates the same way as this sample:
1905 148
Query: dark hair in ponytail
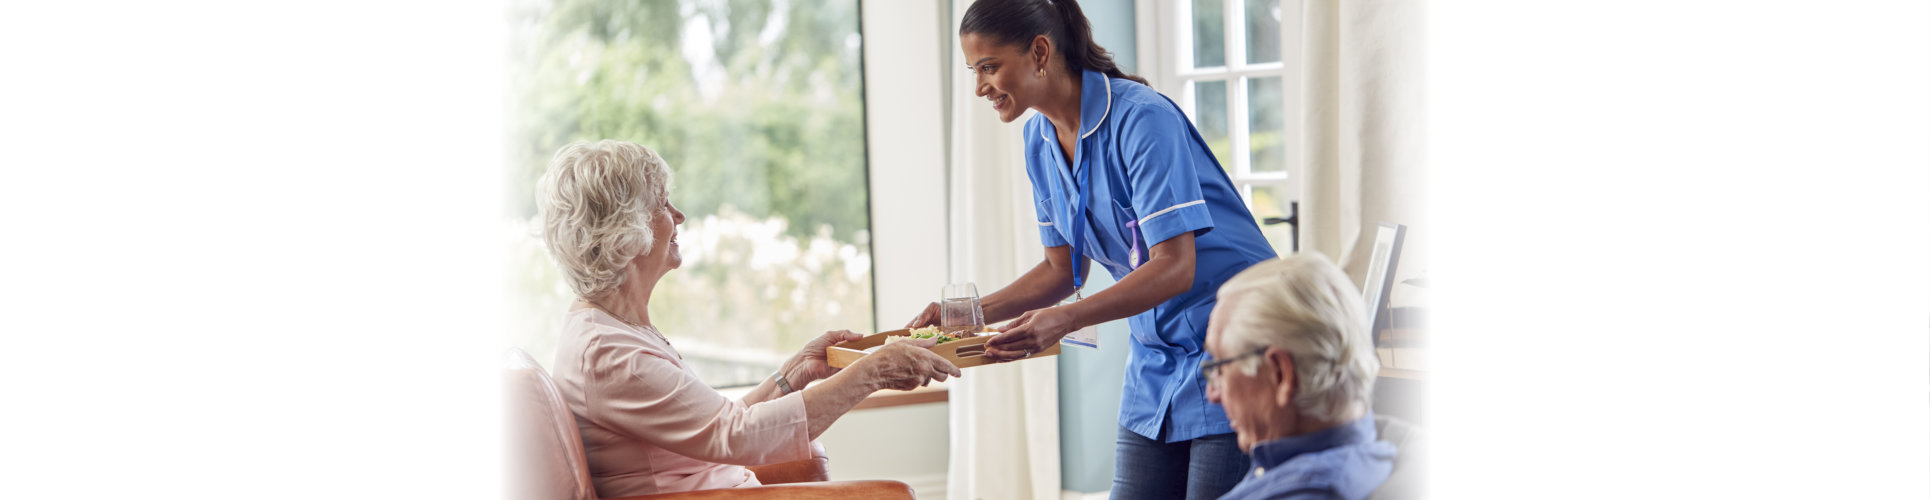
1017 21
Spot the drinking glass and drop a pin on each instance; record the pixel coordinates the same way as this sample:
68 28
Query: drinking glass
958 308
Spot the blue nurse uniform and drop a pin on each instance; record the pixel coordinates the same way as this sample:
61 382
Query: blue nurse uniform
1147 176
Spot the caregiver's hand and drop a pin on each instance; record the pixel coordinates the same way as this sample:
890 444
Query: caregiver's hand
810 364
1034 331
927 318
905 365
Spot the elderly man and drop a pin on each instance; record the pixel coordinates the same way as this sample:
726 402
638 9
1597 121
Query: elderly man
1295 369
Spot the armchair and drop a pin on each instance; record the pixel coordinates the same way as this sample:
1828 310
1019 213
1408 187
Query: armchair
545 457
1408 480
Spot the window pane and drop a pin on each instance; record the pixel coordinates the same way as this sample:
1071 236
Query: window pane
1272 201
1266 122
1209 112
1209 33
756 107
1262 31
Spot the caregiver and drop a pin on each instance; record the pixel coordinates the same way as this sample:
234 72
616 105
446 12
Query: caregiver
1120 179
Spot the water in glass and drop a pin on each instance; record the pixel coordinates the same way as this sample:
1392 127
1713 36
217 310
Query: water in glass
958 308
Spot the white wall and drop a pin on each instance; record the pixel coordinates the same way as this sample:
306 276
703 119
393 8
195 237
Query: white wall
901 443
904 137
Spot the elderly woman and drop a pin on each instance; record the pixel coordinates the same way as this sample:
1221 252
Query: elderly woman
648 424
1295 369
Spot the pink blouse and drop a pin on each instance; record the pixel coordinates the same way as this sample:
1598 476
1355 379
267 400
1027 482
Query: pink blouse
650 426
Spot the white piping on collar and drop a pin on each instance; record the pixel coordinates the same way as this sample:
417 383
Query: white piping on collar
1102 116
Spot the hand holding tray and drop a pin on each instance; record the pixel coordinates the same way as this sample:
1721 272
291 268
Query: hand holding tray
963 353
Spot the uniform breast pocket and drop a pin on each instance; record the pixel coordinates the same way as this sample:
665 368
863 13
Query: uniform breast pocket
1129 231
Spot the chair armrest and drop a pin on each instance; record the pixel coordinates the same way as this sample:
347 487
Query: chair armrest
833 490
809 470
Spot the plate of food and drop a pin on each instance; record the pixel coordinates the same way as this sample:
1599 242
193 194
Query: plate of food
964 348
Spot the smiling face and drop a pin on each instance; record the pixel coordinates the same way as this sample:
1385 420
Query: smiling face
664 254
1007 75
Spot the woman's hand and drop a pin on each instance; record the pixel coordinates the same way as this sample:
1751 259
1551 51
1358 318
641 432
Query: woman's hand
1034 331
810 364
927 318
906 365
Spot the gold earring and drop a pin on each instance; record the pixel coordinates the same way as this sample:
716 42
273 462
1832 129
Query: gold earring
1041 72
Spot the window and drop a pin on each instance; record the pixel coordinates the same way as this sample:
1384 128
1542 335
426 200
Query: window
1234 66
758 107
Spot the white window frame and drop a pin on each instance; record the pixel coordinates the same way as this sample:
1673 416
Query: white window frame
1165 43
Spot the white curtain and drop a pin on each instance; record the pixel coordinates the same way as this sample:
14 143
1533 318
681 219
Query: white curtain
1004 418
1363 121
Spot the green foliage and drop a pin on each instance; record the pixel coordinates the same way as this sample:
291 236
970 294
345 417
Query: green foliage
758 107
770 129
1267 144
1209 33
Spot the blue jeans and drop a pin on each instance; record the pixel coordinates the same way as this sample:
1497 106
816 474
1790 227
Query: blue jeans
1201 469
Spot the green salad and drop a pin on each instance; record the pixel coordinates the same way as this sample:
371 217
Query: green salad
931 332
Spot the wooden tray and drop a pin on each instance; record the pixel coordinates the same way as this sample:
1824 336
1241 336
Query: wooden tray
964 353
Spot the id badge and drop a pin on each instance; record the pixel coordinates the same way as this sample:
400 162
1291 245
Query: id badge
1087 337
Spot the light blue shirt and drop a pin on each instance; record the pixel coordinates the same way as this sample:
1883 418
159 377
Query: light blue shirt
1152 178
1344 462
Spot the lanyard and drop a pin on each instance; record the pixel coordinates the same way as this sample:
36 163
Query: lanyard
1081 197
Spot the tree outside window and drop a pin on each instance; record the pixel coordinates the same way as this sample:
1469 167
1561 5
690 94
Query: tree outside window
758 107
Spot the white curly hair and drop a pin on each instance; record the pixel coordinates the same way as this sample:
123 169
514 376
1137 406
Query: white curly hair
1305 305
595 202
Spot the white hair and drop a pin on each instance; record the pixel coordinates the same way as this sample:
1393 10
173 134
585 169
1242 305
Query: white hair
595 202
1308 307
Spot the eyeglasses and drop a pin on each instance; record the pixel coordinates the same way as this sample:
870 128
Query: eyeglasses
1209 371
